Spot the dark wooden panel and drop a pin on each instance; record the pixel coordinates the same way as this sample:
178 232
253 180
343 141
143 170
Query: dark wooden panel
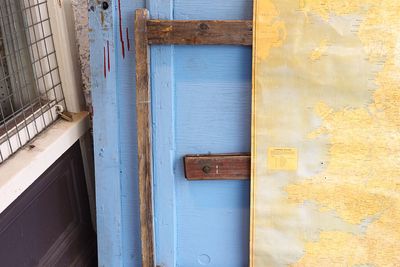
200 32
143 108
217 167
50 223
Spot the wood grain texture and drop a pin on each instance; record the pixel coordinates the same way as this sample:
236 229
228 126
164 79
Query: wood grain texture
200 32
143 109
217 167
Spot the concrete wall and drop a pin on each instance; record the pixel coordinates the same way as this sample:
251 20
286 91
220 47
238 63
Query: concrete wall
81 17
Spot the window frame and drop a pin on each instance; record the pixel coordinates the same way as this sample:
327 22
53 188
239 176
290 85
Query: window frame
66 53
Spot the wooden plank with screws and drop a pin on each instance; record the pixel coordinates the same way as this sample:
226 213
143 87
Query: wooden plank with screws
217 167
200 32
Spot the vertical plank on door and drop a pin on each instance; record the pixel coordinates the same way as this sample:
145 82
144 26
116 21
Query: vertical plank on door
114 98
145 161
106 135
163 98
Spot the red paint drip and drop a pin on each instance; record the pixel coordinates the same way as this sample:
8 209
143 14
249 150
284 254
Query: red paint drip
105 68
127 39
121 36
108 56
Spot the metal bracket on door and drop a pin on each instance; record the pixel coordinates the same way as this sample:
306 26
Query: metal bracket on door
197 167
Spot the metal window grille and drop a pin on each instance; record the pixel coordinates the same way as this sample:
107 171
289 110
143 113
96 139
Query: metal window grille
30 83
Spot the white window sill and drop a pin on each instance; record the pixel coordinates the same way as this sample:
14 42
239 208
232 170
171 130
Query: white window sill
28 164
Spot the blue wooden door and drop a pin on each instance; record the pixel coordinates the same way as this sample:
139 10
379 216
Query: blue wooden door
201 104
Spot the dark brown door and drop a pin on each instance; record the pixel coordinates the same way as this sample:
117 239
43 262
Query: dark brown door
49 224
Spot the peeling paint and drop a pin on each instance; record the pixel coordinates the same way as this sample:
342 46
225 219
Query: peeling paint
102 18
105 67
121 35
167 29
108 56
127 39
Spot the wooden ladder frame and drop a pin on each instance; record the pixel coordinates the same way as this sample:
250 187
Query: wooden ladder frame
197 167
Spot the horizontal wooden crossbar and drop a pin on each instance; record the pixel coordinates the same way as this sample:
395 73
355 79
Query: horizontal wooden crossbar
217 167
200 32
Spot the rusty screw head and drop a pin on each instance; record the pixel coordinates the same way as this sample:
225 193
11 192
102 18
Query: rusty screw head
204 27
105 5
206 169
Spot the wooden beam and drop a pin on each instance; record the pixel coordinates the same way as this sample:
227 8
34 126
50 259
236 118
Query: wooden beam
200 32
217 167
143 109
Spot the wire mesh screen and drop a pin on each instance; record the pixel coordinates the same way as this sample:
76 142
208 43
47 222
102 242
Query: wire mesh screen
30 84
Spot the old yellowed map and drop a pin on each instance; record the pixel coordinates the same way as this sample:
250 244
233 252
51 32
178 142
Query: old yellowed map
326 133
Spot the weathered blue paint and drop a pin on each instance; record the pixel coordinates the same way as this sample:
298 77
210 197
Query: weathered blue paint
201 103
213 9
212 115
163 99
107 154
128 145
115 134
